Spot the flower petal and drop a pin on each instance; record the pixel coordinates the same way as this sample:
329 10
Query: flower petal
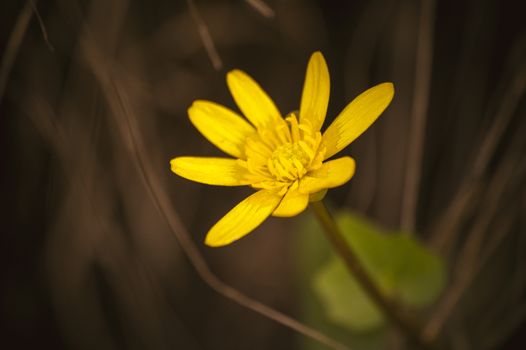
292 204
251 99
357 117
333 173
210 171
221 126
316 89
243 218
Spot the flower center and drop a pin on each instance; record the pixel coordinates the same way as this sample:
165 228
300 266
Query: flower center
288 162
283 153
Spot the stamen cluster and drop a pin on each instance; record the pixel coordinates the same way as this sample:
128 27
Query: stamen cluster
277 157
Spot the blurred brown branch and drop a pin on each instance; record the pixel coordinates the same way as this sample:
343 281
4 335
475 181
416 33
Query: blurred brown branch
447 228
42 26
470 258
261 7
205 36
422 87
13 44
15 40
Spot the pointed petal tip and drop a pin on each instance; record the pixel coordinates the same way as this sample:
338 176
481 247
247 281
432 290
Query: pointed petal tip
210 170
197 104
243 218
173 164
357 117
194 108
318 58
231 76
316 91
214 243
389 86
232 73
316 53
223 127
252 99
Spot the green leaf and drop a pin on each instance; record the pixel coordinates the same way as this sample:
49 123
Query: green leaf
398 264
312 250
344 300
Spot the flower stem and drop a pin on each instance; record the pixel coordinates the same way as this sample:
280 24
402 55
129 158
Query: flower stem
388 306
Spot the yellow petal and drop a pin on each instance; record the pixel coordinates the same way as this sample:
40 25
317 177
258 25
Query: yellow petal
316 88
333 173
251 99
243 218
357 117
221 126
292 204
210 171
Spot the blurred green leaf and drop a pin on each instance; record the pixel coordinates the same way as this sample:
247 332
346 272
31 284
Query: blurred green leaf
400 266
344 300
313 250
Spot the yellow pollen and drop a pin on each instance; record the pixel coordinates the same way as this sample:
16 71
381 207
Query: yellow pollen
289 162
278 156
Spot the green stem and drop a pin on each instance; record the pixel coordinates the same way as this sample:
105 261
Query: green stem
388 306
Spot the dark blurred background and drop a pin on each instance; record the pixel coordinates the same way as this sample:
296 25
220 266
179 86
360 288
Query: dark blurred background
93 106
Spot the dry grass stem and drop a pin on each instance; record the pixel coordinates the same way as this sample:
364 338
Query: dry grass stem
205 36
446 231
13 45
422 86
261 7
42 26
470 256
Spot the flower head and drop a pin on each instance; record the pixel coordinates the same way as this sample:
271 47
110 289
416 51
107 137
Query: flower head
284 159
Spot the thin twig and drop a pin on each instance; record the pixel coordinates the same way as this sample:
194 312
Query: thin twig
451 221
422 86
15 40
446 229
392 310
206 38
261 7
502 120
510 295
13 45
42 26
509 318
466 269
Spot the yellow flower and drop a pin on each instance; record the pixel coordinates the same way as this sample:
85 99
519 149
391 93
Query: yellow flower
285 159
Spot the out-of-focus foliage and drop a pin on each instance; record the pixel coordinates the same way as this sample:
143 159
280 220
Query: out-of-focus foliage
398 264
313 252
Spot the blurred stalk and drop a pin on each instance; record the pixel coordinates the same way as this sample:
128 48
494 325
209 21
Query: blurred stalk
388 306
15 40
424 61
507 179
13 44
447 229
206 38
261 7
